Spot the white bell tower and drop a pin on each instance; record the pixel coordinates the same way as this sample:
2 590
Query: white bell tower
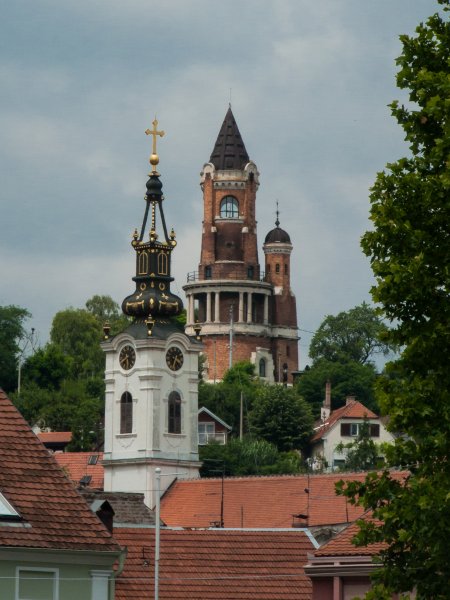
151 370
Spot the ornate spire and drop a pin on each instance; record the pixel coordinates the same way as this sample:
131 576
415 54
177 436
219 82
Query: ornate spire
229 152
277 222
153 298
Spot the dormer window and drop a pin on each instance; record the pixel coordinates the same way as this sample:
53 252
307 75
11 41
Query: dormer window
229 208
7 511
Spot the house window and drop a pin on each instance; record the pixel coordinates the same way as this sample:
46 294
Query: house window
37 584
374 430
206 433
354 429
229 208
262 367
174 412
126 413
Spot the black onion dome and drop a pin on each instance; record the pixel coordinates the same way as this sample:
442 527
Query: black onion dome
154 186
277 236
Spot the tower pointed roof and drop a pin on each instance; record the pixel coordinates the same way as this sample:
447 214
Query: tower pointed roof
229 151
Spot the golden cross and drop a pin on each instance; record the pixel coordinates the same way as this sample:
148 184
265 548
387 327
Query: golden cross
154 132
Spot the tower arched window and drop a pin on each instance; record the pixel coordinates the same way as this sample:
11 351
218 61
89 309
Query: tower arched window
126 413
285 269
262 367
143 263
162 263
229 208
174 406
277 268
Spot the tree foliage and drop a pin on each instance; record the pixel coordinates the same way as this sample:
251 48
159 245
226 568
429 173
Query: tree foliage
12 331
347 379
362 454
224 398
63 387
409 250
281 416
247 457
352 336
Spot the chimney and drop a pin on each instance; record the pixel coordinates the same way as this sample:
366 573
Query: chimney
326 408
349 399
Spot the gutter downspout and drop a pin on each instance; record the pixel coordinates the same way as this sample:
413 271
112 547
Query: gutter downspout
112 581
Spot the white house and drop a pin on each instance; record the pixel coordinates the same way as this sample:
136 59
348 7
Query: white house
342 426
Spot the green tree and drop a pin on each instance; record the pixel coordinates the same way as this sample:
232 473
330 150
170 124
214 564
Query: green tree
347 379
12 332
362 454
352 336
224 398
409 250
104 308
281 416
47 367
77 333
247 457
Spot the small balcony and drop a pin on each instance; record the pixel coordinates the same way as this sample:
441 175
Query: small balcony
219 437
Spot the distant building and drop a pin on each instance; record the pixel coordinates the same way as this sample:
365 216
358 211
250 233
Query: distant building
234 300
342 426
211 428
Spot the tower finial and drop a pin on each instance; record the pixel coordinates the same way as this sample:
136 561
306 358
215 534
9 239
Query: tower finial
154 158
277 222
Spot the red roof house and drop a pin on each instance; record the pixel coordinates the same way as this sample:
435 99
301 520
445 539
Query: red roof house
47 531
278 501
82 468
339 569
215 564
342 426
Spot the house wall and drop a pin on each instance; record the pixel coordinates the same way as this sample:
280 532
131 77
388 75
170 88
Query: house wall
75 581
333 437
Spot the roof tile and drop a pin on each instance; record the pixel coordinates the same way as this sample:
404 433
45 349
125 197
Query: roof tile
215 564
30 479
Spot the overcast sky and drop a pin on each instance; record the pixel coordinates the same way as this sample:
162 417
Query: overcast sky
81 80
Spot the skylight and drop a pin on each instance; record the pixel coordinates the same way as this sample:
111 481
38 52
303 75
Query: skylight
6 509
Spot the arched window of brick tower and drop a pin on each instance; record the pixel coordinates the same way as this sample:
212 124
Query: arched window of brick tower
174 412
262 367
229 208
126 413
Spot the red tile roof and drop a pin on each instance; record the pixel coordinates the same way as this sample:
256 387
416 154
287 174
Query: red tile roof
75 465
341 545
352 410
53 514
215 565
259 501
55 437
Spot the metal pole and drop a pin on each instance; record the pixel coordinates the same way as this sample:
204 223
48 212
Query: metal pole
241 418
231 336
157 529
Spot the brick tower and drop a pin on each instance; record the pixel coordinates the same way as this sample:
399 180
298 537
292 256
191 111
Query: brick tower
240 309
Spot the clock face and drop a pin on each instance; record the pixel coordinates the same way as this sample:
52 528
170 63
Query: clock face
174 358
127 357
